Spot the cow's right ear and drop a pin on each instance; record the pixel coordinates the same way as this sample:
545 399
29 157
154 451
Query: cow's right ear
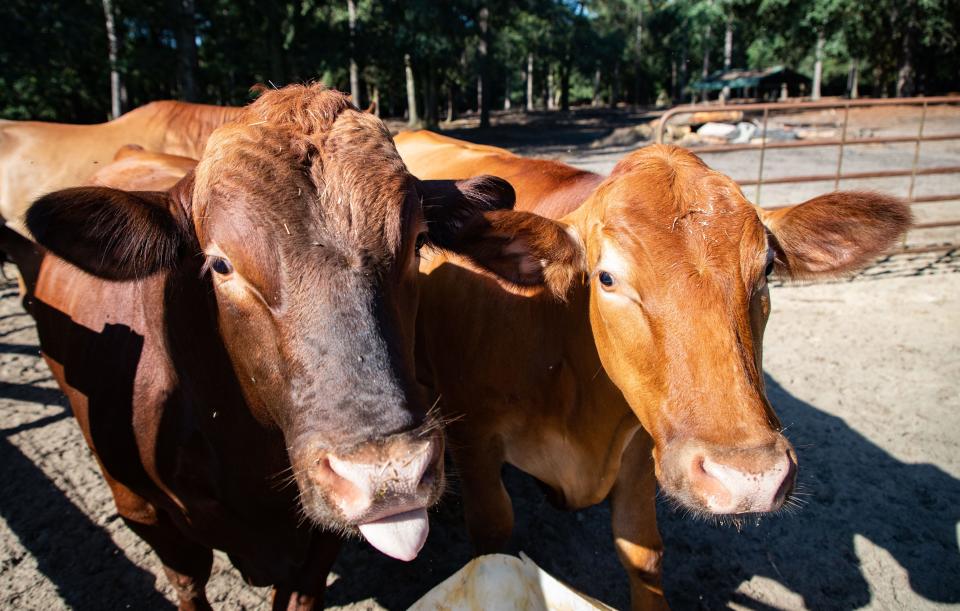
525 249
112 234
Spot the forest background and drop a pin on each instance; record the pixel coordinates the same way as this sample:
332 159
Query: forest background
430 61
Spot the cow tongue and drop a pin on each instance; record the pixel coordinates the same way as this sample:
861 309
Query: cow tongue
399 536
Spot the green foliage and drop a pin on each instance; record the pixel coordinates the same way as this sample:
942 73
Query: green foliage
55 61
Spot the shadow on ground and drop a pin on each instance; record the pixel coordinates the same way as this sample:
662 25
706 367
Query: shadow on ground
76 555
853 487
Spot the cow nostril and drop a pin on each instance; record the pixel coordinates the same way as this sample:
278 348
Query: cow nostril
698 466
789 480
429 477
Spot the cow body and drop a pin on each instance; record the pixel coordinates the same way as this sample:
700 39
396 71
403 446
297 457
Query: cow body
238 350
644 364
37 158
136 169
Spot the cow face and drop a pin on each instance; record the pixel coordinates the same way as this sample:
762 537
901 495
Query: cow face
678 263
309 228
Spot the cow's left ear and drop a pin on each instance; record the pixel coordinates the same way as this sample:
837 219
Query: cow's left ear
113 234
522 248
834 234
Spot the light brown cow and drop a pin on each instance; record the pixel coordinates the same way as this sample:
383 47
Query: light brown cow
644 364
37 158
134 169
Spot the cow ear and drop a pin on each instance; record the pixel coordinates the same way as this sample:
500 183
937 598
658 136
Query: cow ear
450 205
834 234
524 249
113 234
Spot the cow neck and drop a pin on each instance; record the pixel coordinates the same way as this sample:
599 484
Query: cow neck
599 419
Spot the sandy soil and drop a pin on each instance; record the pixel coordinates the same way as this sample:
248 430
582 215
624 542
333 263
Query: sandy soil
865 373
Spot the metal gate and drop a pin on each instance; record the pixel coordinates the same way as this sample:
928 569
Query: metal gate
762 113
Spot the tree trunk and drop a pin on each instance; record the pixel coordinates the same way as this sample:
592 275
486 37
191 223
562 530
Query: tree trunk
530 82
905 75
706 53
728 44
565 86
115 109
638 51
430 98
278 73
354 70
449 103
683 72
412 119
506 92
376 100
187 50
482 51
615 86
727 55
479 94
853 77
597 96
818 67
550 105
674 82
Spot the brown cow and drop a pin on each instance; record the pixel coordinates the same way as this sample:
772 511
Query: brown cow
37 157
648 367
238 350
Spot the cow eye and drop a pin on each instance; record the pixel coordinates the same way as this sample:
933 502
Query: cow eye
771 257
606 279
421 241
221 266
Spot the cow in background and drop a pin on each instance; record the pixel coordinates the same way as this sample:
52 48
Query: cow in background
37 158
135 169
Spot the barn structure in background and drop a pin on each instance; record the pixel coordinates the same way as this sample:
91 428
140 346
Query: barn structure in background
774 83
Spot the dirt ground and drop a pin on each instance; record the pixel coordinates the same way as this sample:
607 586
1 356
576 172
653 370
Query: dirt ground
864 373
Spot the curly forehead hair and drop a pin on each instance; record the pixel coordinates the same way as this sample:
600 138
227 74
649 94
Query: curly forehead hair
306 110
307 141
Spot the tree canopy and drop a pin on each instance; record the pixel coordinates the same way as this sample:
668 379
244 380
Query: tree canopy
462 54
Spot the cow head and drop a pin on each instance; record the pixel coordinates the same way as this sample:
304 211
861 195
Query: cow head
678 263
308 227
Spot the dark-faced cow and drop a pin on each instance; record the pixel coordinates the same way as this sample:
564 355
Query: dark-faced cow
238 350
643 363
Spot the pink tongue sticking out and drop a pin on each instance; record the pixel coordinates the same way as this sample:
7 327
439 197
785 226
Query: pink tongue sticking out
399 536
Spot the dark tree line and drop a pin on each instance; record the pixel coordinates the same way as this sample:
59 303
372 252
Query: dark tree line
78 60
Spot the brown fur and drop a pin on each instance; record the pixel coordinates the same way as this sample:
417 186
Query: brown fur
223 340
550 188
37 158
135 169
618 387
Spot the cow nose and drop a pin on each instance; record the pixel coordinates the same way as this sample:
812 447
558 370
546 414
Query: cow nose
747 481
383 479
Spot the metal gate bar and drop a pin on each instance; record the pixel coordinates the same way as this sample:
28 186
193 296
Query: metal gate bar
782 180
782 107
